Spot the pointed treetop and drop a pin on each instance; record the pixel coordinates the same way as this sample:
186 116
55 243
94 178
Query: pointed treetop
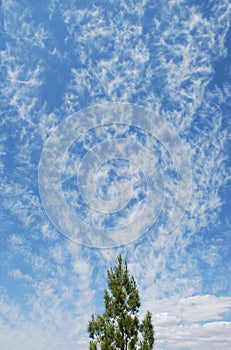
118 328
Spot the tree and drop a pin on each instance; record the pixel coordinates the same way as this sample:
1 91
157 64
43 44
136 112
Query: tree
118 328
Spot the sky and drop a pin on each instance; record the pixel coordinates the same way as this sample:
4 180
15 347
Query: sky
115 138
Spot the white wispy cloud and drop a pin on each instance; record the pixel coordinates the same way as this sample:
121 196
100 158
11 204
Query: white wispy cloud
207 336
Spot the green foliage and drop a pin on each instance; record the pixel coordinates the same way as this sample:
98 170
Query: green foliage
118 328
147 331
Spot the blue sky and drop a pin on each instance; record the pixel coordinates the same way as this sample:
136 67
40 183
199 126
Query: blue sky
115 138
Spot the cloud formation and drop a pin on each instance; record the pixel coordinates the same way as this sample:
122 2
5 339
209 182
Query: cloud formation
58 59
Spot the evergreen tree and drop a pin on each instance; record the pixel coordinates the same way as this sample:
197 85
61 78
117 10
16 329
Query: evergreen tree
118 328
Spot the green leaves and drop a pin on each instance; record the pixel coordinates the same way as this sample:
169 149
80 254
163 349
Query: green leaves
118 328
147 332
